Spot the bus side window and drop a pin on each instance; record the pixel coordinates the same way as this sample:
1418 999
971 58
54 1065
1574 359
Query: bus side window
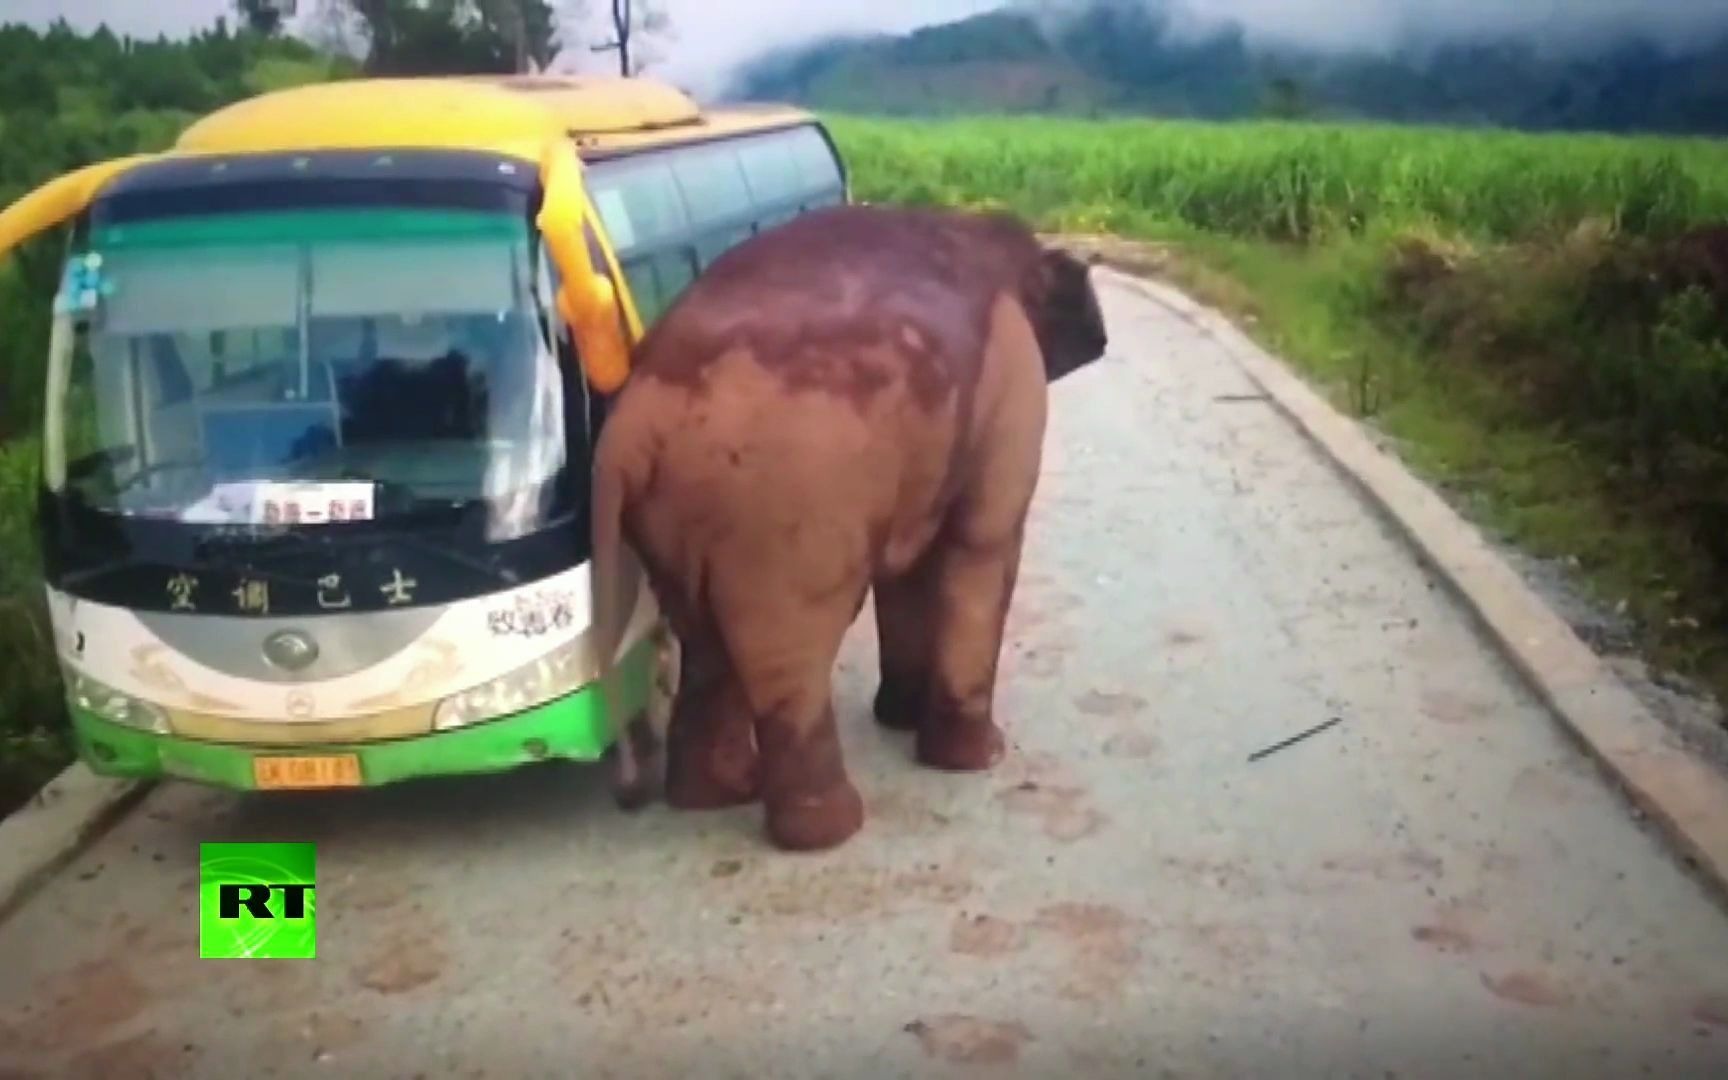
645 289
677 269
639 204
716 194
776 218
818 173
657 280
715 244
771 169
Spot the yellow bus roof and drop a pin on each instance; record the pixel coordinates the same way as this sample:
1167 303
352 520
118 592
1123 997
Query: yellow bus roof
369 113
506 114
513 115
586 104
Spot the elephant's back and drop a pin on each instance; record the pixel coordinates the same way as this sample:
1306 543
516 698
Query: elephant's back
850 299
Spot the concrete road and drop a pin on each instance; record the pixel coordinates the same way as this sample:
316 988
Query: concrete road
1438 886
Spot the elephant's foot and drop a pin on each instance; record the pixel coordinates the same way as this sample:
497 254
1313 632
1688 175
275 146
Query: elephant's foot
898 703
961 746
713 773
814 821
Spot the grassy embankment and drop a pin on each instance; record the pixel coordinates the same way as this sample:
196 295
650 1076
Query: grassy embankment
1536 321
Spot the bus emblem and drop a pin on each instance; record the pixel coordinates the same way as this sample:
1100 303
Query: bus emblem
290 650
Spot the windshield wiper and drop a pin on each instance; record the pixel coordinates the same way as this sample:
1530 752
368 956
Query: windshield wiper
297 542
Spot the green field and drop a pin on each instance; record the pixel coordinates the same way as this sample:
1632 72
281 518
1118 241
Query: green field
1288 182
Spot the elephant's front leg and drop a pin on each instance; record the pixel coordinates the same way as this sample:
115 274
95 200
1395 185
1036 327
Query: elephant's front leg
711 759
972 588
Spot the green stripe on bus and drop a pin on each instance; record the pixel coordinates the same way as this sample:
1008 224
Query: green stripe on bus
303 226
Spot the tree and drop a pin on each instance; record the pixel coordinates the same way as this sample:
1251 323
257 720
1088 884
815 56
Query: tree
1285 99
454 37
633 23
338 30
530 27
261 16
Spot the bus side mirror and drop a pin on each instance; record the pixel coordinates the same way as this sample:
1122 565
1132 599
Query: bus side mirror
587 302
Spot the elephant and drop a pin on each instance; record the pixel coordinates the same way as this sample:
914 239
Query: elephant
853 401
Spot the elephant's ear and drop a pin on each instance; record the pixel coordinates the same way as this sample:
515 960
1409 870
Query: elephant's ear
1066 271
1063 283
1067 315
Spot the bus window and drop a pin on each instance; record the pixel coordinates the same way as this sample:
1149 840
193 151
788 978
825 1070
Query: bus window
656 280
644 286
771 169
677 269
639 203
715 244
819 173
777 218
715 192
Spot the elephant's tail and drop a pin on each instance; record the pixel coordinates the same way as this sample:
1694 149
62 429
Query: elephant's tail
611 565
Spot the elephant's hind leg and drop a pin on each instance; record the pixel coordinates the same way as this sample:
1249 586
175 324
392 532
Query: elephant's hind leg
783 647
974 584
810 801
711 759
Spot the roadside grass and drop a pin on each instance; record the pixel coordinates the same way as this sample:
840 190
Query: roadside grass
1539 484
33 734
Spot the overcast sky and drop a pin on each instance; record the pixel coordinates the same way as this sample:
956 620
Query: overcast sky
713 35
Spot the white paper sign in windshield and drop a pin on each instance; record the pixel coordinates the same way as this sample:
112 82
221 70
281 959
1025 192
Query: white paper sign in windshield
265 502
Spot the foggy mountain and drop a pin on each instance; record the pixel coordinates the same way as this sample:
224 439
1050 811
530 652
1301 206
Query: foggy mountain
1386 25
1650 65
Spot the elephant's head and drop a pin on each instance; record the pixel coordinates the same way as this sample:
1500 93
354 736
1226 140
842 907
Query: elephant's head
1066 314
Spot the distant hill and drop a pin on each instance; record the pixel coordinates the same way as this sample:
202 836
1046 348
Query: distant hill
1137 56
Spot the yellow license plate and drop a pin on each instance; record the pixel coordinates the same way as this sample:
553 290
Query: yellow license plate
333 770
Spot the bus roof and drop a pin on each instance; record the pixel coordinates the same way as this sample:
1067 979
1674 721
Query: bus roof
508 114
512 115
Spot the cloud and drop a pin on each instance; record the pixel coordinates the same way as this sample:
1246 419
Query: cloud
1380 24
711 37
714 37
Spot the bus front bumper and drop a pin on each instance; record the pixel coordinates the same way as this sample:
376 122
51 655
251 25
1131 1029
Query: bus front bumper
572 728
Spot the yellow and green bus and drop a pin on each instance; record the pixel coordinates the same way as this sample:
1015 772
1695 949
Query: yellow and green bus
324 382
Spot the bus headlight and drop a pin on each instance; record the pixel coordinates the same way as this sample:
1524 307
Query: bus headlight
114 706
564 669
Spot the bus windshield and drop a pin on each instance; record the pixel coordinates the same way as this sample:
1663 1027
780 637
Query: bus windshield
305 367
